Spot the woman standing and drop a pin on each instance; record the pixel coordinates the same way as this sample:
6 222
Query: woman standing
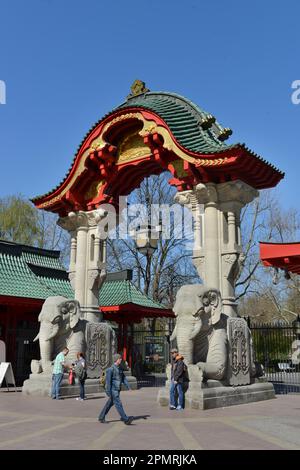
80 371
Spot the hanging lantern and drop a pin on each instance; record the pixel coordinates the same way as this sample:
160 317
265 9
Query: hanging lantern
146 239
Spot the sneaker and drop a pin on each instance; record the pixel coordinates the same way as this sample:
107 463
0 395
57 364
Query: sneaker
129 420
179 408
172 407
77 398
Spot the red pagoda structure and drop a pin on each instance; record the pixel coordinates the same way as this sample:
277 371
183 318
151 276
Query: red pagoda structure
153 132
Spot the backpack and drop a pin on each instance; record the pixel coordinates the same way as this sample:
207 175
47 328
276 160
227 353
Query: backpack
185 373
103 379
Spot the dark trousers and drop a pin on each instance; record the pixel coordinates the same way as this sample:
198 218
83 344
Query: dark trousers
81 385
113 400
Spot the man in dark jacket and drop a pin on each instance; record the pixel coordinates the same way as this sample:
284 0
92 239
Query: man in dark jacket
177 381
115 377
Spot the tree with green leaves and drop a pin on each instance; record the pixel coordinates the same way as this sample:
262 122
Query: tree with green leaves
21 222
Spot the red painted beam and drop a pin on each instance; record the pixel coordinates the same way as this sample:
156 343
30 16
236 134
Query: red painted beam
281 255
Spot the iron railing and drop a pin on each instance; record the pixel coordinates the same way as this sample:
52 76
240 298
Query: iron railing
273 346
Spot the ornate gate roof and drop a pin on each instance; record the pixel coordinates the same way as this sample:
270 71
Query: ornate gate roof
149 133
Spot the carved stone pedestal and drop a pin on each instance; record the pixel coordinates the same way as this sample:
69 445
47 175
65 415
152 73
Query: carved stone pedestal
204 395
101 345
240 365
40 385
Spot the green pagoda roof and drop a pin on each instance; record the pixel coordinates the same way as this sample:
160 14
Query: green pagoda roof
35 273
193 128
124 292
31 272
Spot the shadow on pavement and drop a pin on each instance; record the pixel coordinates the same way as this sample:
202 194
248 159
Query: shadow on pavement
135 418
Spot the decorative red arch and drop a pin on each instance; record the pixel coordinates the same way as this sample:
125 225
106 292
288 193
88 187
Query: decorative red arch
133 143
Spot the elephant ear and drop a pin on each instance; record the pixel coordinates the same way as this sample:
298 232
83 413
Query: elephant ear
73 308
216 305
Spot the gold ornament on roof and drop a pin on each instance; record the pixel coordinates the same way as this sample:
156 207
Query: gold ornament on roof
138 88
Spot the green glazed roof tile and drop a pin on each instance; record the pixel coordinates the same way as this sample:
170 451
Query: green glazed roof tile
177 111
18 278
123 292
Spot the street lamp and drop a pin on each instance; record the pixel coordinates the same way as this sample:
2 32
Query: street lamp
146 239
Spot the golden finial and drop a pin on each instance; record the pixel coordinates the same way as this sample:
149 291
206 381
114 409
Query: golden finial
137 88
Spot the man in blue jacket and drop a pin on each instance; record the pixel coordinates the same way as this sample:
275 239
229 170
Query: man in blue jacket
115 377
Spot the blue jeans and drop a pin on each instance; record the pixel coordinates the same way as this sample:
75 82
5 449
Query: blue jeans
179 388
56 381
81 385
172 394
114 399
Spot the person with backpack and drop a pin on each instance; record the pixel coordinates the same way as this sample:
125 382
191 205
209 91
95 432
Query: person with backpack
178 377
80 372
114 378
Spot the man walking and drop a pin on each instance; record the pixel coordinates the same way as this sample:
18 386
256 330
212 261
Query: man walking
114 378
58 373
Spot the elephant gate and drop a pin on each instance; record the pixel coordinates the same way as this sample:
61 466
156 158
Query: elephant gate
150 133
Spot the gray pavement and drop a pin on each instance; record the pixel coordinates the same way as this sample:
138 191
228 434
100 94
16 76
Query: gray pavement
42 423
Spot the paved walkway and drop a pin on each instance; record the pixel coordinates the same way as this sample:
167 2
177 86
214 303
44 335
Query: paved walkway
42 423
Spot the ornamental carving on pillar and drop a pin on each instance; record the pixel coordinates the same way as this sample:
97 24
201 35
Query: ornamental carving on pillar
232 265
229 265
206 193
96 278
239 351
199 262
74 220
184 198
101 346
237 191
93 276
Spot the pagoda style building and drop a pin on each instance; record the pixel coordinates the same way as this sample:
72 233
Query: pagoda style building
28 275
149 133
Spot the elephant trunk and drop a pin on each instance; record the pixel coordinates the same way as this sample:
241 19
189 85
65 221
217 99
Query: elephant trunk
53 332
185 348
196 329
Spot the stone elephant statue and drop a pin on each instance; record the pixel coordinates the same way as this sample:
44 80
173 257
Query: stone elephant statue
188 324
61 326
211 344
201 329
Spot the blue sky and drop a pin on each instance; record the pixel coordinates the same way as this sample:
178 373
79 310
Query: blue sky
66 63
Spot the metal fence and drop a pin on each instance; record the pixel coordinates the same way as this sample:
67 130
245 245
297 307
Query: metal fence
276 347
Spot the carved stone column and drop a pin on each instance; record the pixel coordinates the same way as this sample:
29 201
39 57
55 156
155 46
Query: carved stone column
217 252
87 269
